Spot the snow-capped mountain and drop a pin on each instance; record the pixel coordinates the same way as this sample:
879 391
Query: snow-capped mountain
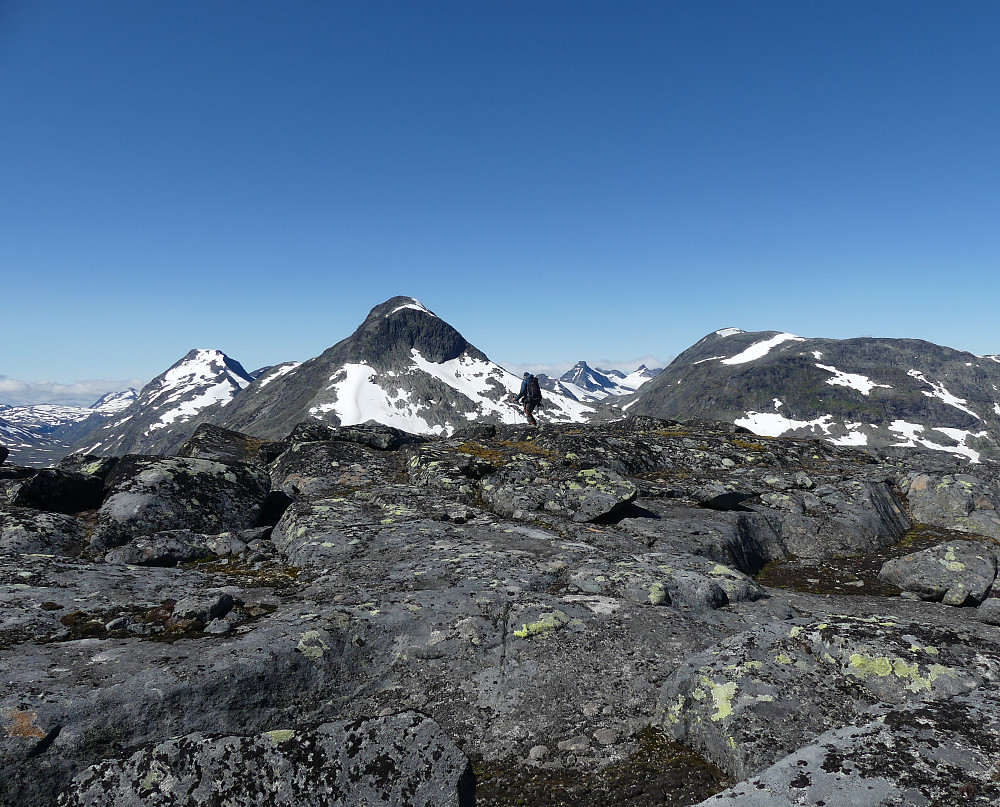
42 433
584 383
404 366
866 391
153 421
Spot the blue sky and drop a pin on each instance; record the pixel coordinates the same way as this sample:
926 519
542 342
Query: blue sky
558 180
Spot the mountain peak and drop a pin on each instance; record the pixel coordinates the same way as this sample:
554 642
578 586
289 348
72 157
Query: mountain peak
394 329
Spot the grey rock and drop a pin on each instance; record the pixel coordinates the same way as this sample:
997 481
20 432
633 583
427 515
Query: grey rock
956 572
321 469
26 530
759 696
403 759
989 611
535 485
210 442
892 760
960 502
88 464
204 607
166 548
153 494
376 435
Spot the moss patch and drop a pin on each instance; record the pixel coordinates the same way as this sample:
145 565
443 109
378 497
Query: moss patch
659 772
856 575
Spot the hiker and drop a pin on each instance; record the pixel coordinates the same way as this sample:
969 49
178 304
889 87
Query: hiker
531 394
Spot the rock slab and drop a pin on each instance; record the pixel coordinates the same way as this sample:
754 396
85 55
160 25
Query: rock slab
403 760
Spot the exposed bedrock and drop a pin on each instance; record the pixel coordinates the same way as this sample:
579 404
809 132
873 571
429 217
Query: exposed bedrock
539 599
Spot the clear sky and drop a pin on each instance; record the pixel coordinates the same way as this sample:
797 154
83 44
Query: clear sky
558 180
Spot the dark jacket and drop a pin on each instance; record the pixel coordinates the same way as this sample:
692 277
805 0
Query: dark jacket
523 394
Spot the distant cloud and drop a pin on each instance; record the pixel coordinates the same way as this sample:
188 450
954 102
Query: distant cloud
558 368
77 393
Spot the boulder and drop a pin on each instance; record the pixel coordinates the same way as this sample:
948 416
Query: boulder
958 501
845 517
892 760
403 759
153 494
522 488
24 530
210 442
376 435
172 547
955 573
4 452
88 464
309 431
319 469
58 491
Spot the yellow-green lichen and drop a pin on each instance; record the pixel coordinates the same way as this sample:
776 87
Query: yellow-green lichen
311 645
722 697
279 736
545 625
657 594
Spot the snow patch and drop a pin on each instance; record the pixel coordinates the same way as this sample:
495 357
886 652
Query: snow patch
728 332
941 393
861 383
760 349
284 369
415 304
771 424
909 433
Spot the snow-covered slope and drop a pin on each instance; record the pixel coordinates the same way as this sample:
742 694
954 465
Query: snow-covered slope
149 424
405 367
874 392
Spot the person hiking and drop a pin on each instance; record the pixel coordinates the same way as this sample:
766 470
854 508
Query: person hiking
531 395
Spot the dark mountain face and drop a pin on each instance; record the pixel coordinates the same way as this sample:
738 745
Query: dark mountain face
395 328
866 391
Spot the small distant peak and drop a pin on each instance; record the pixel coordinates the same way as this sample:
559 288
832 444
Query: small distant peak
724 332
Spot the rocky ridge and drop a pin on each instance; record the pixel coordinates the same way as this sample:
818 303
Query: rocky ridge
637 612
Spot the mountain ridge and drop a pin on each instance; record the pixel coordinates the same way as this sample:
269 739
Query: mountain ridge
864 391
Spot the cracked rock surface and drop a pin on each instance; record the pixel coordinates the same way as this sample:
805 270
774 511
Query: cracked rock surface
564 615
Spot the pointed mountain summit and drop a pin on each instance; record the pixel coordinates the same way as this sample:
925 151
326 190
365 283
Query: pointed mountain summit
585 383
114 402
404 366
151 422
862 392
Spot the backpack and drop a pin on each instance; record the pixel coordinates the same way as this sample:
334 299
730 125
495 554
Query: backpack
534 391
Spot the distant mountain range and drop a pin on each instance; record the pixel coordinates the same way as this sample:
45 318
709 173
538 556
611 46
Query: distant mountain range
584 383
882 393
43 433
406 367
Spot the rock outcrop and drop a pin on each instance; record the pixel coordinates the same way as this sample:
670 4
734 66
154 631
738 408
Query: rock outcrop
640 612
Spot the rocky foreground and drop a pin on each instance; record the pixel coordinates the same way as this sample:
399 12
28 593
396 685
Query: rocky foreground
640 612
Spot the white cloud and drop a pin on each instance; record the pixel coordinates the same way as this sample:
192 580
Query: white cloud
77 393
556 369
